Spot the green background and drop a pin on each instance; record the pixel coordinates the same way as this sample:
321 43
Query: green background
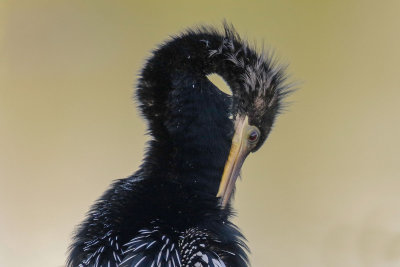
323 191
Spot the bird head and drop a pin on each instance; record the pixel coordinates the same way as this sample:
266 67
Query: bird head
258 87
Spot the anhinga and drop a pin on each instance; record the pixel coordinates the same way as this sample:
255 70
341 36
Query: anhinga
175 210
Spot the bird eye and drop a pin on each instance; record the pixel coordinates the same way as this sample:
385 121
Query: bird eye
253 136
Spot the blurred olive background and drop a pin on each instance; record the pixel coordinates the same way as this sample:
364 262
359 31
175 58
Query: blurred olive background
323 191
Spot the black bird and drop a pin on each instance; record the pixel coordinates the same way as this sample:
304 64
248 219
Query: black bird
175 210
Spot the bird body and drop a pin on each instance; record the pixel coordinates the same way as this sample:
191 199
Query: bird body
175 210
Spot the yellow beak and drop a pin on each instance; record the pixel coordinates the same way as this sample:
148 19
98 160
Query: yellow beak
239 150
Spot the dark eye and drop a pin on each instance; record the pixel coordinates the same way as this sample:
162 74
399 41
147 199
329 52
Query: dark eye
253 136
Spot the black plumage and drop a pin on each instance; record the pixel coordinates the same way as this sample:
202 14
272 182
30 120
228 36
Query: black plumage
175 210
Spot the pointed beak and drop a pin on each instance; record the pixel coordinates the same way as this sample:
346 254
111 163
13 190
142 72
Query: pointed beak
240 148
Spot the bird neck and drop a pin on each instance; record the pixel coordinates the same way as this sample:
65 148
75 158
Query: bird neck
194 157
188 116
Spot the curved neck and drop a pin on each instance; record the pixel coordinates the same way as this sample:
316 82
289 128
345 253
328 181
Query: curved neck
188 116
192 142
185 61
